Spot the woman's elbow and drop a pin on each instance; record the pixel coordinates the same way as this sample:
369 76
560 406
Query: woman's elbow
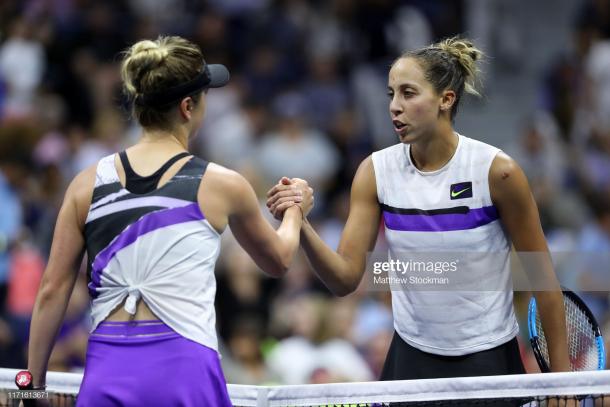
343 288
277 268
51 289
46 293
277 271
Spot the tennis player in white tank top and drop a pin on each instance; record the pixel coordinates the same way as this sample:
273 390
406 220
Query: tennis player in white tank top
440 191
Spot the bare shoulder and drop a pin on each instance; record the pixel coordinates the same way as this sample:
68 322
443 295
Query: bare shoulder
364 180
80 192
506 177
503 167
366 166
229 189
84 179
224 179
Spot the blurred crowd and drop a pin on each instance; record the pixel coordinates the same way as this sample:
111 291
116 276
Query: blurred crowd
307 98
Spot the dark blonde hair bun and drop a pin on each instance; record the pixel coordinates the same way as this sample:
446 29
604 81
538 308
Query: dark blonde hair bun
450 64
151 66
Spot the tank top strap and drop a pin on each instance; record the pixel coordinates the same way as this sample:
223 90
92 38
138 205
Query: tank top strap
139 184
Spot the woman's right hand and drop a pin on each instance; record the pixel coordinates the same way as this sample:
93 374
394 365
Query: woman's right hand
288 192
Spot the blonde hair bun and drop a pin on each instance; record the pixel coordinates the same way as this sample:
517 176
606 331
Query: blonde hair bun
155 65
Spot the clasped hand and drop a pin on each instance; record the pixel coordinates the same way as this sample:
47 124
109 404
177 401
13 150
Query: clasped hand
288 192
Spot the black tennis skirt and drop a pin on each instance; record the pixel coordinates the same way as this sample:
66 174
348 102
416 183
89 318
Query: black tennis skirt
405 362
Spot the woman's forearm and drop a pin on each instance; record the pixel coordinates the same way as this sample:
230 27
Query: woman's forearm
552 314
289 234
49 310
330 266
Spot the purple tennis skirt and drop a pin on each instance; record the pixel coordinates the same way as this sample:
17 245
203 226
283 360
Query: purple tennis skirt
146 363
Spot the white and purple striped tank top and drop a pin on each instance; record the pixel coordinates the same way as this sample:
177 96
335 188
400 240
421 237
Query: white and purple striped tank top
448 211
156 246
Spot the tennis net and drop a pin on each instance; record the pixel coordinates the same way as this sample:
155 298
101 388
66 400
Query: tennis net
583 389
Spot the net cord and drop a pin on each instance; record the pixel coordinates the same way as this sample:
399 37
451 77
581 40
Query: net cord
509 386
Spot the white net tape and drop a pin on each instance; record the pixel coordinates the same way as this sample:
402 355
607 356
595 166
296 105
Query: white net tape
512 386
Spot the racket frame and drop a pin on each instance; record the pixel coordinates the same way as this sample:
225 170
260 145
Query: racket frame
534 337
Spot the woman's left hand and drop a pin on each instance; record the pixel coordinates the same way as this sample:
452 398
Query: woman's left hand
288 192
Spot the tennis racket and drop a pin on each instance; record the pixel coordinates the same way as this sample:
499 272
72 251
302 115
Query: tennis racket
585 342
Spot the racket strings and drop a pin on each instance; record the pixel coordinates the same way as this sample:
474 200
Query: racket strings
582 345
